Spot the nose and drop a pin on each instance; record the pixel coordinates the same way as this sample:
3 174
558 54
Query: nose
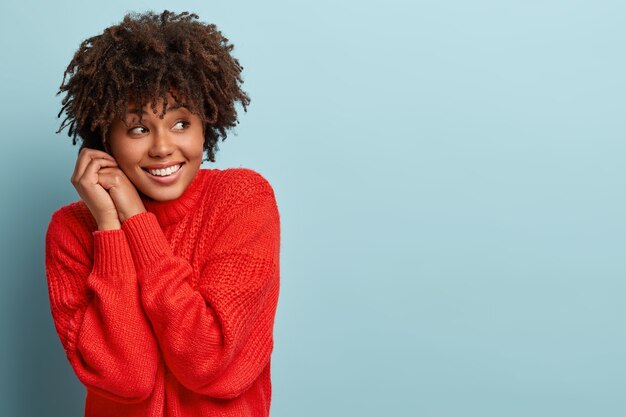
162 144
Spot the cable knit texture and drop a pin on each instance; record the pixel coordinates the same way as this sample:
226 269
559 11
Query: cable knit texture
172 315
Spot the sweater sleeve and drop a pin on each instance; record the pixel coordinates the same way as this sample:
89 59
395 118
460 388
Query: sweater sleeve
216 336
97 312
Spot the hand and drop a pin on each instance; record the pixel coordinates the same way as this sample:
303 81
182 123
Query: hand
85 180
122 192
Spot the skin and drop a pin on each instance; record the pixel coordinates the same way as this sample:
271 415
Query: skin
112 184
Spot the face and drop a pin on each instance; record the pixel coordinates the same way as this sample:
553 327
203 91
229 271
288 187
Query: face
175 141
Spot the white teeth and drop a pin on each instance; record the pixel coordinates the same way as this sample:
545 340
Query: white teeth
165 172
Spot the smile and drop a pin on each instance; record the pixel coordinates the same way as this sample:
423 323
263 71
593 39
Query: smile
164 172
165 176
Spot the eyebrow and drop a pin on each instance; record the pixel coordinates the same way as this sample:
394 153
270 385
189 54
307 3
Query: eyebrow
174 106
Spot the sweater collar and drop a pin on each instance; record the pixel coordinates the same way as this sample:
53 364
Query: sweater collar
172 211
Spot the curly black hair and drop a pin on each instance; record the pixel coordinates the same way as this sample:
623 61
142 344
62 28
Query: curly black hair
142 59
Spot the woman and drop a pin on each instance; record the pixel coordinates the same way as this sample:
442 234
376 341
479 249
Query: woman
164 278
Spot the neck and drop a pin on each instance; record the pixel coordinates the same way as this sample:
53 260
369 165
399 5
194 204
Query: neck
172 211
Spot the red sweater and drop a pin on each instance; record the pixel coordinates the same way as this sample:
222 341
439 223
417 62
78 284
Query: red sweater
173 314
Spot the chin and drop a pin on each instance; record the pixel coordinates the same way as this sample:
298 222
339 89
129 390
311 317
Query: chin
164 195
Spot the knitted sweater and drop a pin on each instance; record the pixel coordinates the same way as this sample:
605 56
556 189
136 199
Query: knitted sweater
173 314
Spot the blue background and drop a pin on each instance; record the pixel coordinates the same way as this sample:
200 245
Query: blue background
450 176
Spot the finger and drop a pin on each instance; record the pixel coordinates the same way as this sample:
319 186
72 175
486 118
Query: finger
91 171
84 157
102 154
83 163
109 177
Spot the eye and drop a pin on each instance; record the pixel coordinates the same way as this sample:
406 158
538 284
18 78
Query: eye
185 123
131 131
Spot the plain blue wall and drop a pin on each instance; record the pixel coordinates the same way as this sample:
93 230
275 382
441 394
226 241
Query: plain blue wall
451 181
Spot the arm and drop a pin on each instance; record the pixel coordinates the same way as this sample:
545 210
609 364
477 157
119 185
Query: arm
215 337
97 312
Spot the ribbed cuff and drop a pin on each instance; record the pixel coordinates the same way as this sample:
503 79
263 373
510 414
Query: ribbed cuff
111 254
113 264
146 240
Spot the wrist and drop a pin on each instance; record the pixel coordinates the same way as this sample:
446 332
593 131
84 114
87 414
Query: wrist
126 216
109 225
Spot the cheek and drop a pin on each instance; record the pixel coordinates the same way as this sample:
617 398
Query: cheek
128 155
129 166
197 147
200 147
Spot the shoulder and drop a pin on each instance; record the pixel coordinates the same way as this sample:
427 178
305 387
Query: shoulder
242 179
239 185
75 213
71 222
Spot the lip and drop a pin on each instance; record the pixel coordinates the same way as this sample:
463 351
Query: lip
168 179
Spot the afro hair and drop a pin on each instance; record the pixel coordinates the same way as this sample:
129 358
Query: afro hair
141 60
